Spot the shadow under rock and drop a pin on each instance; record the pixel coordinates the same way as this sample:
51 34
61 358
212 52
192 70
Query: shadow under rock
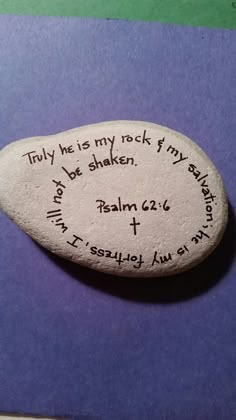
172 289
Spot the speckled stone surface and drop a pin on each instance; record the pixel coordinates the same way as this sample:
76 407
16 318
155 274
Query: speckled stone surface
123 197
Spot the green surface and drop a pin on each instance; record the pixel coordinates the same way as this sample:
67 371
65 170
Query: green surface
218 13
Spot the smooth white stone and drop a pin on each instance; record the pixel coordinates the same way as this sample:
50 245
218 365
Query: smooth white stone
128 198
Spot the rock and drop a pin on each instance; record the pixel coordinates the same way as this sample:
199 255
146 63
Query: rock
128 198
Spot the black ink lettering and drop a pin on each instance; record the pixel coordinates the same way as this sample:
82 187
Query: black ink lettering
109 254
100 142
29 156
144 206
153 205
191 167
134 224
97 162
160 144
208 196
123 160
93 250
104 141
165 206
164 259
205 191
86 145
92 166
39 157
199 236
113 159
204 184
209 217
129 207
127 138
155 260
106 162
200 179
146 139
208 209
139 139
114 207
111 140
209 199
173 150
182 250
101 205
119 259
100 252
77 238
119 203
53 213
72 175
66 149
44 154
59 192
176 153
139 262
129 160
63 226
181 159
51 155
58 184
57 199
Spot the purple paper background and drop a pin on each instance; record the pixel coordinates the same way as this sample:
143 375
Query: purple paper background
73 342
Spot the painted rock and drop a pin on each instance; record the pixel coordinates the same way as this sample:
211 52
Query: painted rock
128 198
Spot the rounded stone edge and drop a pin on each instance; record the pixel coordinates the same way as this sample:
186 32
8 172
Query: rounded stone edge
182 137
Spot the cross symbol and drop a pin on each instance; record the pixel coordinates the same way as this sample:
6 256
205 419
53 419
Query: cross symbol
134 224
